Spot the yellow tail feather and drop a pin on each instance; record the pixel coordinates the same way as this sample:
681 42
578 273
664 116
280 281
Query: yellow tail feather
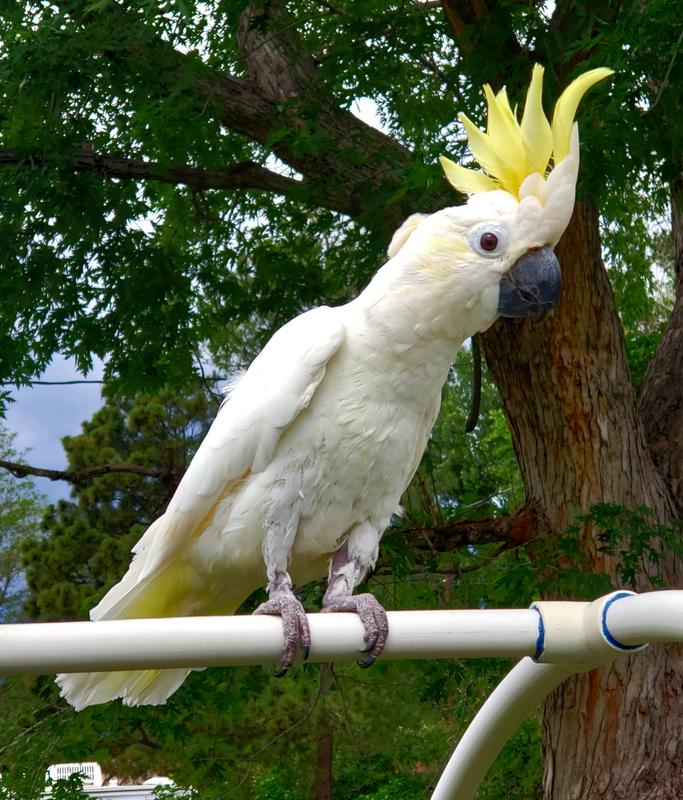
161 595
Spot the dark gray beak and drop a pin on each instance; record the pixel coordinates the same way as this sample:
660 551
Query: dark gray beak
532 286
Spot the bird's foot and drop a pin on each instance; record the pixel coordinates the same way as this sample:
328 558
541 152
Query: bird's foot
283 603
374 619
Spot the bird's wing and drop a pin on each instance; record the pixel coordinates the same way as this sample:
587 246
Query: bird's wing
278 385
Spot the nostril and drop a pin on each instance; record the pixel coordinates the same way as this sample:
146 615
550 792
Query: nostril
531 297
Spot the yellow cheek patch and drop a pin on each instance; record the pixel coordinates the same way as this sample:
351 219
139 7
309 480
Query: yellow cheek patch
441 253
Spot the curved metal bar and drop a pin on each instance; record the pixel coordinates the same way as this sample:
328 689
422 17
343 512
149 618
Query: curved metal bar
573 637
522 689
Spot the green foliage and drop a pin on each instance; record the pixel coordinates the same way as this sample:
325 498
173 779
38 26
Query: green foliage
631 538
63 789
636 538
19 519
465 476
518 772
147 275
70 788
143 275
640 349
561 569
85 543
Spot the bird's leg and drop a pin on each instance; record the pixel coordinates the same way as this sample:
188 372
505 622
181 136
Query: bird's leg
281 524
348 567
282 602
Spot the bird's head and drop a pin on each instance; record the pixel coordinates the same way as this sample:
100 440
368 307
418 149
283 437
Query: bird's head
494 254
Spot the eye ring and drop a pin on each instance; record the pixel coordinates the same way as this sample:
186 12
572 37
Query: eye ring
488 240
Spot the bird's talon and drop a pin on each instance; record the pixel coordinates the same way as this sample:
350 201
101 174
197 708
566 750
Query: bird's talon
374 620
369 645
297 636
306 651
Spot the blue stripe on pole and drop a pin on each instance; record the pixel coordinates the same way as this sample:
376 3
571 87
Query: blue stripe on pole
540 639
605 630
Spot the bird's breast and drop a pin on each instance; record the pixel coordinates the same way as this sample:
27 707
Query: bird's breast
346 459
357 446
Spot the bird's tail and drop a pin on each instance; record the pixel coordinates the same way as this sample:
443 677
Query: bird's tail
150 687
159 595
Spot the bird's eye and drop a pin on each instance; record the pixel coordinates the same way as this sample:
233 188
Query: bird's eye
488 239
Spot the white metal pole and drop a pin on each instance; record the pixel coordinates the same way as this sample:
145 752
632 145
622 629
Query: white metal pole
230 641
522 689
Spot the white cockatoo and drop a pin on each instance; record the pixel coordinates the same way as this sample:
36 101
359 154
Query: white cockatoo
308 457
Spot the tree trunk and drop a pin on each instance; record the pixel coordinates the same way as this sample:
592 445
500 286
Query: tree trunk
322 781
661 400
615 732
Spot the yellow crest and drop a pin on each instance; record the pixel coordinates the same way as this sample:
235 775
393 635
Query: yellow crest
509 150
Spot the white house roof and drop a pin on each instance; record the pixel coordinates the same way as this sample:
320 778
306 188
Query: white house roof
92 783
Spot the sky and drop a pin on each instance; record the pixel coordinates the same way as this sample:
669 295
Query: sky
42 415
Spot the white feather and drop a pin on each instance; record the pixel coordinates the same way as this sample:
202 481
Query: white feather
276 387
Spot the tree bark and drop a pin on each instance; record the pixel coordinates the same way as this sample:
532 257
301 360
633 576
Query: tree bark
568 395
615 732
661 399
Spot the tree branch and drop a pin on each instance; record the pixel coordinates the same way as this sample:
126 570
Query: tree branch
474 24
428 543
80 475
284 92
454 571
352 168
514 530
240 175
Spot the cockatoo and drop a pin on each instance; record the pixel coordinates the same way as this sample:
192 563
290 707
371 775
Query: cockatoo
307 459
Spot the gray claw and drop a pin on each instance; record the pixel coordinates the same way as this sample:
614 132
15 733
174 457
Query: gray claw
374 619
297 635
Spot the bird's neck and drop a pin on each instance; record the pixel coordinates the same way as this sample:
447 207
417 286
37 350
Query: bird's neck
414 316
